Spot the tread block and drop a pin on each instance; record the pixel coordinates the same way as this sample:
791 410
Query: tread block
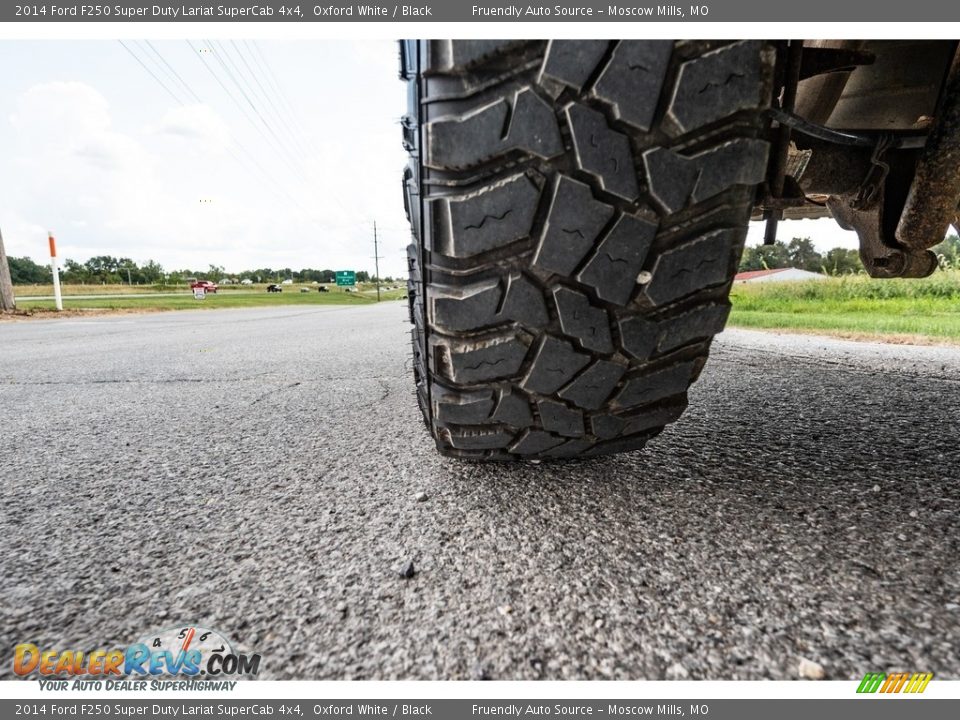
670 177
613 269
581 320
640 337
535 441
474 307
698 324
646 389
606 426
716 85
573 223
571 448
558 418
594 385
496 360
478 306
739 162
524 302
619 445
480 439
513 409
682 270
458 143
470 409
458 55
555 363
653 419
491 218
675 180
602 152
571 62
632 80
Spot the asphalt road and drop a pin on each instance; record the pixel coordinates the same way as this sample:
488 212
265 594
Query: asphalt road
256 471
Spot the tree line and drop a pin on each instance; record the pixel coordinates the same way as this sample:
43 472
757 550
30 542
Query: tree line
108 270
800 253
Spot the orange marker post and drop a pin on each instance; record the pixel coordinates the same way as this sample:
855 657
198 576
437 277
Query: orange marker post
57 298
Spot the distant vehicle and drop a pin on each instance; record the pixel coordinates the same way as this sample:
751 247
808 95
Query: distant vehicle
323 288
206 285
288 281
274 288
248 281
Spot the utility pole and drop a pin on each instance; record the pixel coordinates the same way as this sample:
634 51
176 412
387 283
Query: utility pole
7 301
376 259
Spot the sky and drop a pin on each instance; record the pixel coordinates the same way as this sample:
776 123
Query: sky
290 168
291 171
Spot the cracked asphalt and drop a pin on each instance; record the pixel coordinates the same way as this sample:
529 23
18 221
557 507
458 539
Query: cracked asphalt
263 472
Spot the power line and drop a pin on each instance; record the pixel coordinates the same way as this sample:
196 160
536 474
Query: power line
281 116
152 74
271 182
230 93
171 69
224 56
271 77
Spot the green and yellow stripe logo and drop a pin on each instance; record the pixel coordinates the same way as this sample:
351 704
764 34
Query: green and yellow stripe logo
894 682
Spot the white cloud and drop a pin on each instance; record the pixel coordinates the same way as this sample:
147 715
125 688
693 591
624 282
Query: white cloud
197 123
94 149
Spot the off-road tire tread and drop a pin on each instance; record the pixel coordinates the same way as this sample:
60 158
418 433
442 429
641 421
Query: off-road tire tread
578 211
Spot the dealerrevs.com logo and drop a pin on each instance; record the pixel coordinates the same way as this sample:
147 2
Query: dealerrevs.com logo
909 683
187 652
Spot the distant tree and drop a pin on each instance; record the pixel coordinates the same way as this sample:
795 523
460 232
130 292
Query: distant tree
24 271
215 273
103 269
127 271
363 276
73 272
327 276
765 257
842 261
804 255
151 273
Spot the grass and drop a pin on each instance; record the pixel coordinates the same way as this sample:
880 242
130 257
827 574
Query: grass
248 296
854 305
26 291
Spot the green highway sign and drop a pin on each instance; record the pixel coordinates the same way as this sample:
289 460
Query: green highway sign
346 277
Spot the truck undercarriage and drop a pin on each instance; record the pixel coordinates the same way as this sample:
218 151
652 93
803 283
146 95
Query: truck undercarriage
868 132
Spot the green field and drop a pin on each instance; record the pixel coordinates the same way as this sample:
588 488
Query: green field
855 305
179 299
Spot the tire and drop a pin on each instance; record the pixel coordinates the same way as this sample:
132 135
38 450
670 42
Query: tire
578 210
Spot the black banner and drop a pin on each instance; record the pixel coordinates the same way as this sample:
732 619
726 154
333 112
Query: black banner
480 11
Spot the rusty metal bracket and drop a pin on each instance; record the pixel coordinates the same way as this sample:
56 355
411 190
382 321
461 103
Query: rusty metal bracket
868 211
931 205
